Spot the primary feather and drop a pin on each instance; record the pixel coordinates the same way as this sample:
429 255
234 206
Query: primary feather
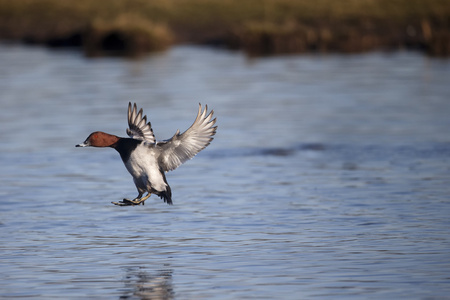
139 129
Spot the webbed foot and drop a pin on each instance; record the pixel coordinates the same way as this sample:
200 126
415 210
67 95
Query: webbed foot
128 202
125 202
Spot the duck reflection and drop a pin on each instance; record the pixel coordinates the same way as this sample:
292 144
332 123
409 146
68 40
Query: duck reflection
142 284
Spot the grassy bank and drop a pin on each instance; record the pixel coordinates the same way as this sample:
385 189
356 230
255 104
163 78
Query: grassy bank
134 27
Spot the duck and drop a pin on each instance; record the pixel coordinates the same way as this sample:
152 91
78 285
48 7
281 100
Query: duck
148 160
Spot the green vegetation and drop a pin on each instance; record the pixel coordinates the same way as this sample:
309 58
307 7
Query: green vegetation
133 27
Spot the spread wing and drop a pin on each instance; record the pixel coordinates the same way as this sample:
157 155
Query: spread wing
182 147
139 129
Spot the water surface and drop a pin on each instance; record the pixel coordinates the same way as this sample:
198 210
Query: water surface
328 178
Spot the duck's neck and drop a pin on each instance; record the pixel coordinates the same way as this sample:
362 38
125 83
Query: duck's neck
111 140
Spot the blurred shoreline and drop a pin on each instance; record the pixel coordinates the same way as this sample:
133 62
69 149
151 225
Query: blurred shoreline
135 27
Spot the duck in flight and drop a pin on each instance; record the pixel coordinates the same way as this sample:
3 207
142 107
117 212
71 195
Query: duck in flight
148 160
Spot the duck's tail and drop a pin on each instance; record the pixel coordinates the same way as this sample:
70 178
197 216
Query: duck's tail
165 195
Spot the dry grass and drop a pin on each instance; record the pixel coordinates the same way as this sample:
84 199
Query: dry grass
127 34
258 26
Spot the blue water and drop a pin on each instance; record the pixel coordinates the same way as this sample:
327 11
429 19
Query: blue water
329 177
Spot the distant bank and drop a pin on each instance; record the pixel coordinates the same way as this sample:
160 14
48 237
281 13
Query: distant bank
259 27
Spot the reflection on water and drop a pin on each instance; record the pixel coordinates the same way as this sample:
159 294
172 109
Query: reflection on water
328 178
141 284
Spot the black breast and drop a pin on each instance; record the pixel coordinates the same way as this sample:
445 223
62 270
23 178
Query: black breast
125 146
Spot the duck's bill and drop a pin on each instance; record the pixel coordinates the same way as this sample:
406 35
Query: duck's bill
84 144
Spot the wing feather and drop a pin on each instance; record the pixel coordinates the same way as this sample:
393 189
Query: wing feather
138 128
182 147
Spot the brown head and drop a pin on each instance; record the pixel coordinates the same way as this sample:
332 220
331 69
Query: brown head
99 139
